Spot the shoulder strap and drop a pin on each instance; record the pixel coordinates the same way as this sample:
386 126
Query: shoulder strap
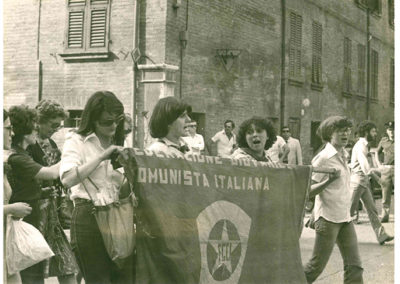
83 183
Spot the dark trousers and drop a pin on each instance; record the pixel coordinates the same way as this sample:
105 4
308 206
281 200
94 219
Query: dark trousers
87 243
326 235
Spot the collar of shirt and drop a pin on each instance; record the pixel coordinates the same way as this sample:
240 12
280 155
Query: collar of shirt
331 151
223 132
363 141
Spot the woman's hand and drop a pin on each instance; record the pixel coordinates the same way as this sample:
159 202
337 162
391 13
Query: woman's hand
19 209
109 151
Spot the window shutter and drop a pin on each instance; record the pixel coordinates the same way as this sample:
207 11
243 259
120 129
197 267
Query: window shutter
298 44
75 28
292 44
392 80
98 26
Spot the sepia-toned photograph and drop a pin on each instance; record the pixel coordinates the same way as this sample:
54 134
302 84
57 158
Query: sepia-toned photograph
198 141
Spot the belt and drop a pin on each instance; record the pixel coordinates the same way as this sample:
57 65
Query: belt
82 201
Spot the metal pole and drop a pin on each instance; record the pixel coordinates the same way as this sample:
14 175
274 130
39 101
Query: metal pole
368 64
283 70
323 170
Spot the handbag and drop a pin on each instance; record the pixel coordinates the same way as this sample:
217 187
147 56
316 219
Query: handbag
65 208
116 224
25 246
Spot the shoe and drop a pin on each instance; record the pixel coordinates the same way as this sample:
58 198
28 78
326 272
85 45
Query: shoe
385 219
385 238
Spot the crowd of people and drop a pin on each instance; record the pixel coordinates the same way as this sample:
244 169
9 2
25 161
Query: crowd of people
38 176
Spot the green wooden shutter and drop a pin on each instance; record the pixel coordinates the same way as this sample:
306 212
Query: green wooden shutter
98 23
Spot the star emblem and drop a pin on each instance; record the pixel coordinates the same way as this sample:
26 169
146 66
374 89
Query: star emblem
223 247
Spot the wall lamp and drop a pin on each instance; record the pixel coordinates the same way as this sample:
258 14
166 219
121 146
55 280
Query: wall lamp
228 56
183 38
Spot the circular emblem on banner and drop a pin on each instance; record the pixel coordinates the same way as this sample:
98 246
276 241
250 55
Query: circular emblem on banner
223 250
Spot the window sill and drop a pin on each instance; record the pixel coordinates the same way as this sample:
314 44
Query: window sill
317 87
295 82
360 97
83 56
347 94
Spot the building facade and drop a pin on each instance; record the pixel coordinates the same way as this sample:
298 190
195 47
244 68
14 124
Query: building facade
225 57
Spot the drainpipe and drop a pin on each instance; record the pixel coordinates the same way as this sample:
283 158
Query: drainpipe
368 64
40 72
134 76
183 42
283 71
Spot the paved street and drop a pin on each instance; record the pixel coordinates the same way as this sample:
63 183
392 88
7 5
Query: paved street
378 261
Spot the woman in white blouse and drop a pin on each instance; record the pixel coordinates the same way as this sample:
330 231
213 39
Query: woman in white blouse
167 124
332 204
86 158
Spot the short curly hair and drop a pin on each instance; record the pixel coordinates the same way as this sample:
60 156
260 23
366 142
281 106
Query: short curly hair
331 124
257 122
22 120
48 109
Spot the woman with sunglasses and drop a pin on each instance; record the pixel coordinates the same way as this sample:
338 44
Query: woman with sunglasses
25 179
46 153
167 125
86 158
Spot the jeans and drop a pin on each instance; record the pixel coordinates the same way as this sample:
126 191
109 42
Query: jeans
364 193
327 234
87 243
387 180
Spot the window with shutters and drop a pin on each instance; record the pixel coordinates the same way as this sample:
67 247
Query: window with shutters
295 74
391 13
316 72
361 69
347 66
374 74
87 29
392 80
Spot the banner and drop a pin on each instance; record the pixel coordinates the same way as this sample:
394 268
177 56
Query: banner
205 219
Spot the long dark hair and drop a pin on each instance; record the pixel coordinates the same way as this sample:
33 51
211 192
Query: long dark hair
96 104
166 111
257 122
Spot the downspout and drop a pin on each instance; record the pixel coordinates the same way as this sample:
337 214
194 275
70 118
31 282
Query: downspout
283 71
135 44
183 46
39 66
368 64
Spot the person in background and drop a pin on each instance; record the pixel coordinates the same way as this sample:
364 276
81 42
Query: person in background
86 158
256 136
128 125
45 152
332 204
386 167
18 209
167 125
294 155
278 150
361 171
194 141
224 141
26 178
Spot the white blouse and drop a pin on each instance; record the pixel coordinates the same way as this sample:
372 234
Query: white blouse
79 150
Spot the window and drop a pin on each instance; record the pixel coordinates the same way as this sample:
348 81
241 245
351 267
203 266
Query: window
316 54
361 69
374 74
374 5
295 46
392 80
87 27
294 126
347 66
391 13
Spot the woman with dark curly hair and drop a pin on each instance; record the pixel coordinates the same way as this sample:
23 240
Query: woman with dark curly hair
87 169
167 124
256 136
46 153
25 179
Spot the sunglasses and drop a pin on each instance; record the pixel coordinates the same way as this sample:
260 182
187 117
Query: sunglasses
109 122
